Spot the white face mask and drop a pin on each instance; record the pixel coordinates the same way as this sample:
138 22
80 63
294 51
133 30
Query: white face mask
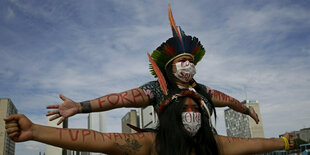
185 71
191 122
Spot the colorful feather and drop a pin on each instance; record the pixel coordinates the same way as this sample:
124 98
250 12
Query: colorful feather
172 23
178 44
160 76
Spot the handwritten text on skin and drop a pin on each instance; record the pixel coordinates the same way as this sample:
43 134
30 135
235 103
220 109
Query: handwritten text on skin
225 98
75 134
127 96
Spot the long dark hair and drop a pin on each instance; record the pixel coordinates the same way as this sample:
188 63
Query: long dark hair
173 88
172 138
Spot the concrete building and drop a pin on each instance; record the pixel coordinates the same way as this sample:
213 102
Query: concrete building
97 121
303 134
70 152
240 125
130 118
53 150
7 108
148 117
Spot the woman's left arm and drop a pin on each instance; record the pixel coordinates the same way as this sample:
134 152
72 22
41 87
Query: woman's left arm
235 145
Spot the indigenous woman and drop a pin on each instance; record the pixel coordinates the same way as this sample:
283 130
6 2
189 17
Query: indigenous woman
174 61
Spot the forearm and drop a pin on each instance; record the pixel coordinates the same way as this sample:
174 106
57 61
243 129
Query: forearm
235 145
73 139
131 98
90 140
222 100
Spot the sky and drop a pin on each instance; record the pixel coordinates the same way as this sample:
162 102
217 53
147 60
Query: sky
256 50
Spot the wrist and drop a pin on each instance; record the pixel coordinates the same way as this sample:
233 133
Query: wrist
286 143
247 111
34 132
79 107
85 107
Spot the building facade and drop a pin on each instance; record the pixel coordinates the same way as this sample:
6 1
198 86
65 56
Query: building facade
303 134
7 108
148 117
241 125
130 118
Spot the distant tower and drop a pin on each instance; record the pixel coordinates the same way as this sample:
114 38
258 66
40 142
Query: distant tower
7 108
53 150
130 118
97 121
241 125
148 117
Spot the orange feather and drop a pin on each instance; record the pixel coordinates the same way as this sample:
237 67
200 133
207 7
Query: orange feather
160 76
172 23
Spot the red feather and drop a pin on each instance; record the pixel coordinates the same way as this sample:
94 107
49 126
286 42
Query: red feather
160 76
170 50
195 49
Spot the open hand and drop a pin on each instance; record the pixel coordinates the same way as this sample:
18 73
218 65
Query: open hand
253 114
66 109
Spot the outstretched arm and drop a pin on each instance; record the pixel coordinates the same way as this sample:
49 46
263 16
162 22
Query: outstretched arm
222 100
130 98
235 145
20 128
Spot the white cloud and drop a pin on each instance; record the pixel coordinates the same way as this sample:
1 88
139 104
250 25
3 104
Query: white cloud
10 14
35 146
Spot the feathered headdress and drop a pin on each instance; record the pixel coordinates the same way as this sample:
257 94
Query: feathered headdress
180 44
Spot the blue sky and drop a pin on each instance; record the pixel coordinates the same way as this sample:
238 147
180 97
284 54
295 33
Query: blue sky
86 49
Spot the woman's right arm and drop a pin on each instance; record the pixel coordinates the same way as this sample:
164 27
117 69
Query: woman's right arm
20 128
130 98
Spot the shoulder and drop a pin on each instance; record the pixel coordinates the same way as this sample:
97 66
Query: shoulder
150 84
152 88
204 87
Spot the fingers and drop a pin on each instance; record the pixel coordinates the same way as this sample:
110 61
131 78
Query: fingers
12 129
13 117
54 117
49 113
10 118
291 140
253 114
14 135
60 120
62 97
291 135
54 106
256 120
11 124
